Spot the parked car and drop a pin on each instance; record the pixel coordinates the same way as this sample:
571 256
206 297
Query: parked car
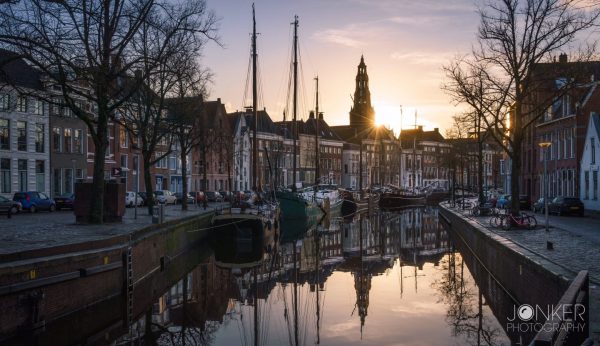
65 201
131 199
213 196
144 196
165 197
7 205
190 198
226 195
34 201
566 205
538 206
198 196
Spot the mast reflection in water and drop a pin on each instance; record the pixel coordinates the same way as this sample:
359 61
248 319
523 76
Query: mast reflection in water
384 278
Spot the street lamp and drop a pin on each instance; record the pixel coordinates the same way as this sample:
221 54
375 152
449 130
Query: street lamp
545 146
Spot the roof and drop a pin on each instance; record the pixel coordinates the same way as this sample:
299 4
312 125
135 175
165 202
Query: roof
14 70
354 134
265 124
596 120
408 136
325 132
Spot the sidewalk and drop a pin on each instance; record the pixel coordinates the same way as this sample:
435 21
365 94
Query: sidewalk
26 231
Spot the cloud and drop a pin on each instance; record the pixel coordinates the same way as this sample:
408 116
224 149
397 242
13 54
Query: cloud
342 37
422 58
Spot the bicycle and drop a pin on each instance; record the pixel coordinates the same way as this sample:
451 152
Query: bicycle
498 218
521 220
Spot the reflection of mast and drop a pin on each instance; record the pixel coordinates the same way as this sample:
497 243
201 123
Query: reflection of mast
295 298
318 281
255 308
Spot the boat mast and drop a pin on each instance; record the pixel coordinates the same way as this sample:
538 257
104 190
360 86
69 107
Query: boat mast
317 121
255 307
254 106
415 156
294 123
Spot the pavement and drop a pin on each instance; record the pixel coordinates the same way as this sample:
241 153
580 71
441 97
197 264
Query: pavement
25 231
576 247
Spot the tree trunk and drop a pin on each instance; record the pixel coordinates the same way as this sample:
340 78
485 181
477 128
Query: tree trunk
184 185
480 171
205 181
100 144
148 182
515 174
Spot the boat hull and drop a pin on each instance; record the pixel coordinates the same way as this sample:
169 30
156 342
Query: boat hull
294 207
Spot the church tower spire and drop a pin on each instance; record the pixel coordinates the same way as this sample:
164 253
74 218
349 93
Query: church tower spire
362 114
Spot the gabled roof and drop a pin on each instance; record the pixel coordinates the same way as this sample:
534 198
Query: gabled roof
265 124
325 132
14 70
596 121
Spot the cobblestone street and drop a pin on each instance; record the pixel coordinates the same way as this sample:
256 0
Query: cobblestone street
26 231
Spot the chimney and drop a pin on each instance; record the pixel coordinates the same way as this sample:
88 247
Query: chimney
420 128
138 74
320 115
562 58
437 129
311 115
219 100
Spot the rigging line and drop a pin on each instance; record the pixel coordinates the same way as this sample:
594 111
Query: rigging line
248 72
284 78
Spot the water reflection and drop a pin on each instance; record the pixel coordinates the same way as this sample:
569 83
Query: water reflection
371 279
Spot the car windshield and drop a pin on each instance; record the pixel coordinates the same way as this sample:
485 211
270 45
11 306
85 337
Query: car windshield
20 195
159 193
572 200
3 199
66 195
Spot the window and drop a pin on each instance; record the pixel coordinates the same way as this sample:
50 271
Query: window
595 183
68 188
593 149
68 146
39 138
4 134
4 102
21 135
77 141
22 166
123 137
56 140
587 185
5 182
57 182
38 107
124 161
79 174
40 175
22 103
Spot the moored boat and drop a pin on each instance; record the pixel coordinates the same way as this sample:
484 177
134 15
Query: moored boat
392 200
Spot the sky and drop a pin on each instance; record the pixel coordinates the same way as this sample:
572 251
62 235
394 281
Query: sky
405 43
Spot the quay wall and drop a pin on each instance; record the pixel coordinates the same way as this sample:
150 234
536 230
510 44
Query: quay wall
37 290
527 277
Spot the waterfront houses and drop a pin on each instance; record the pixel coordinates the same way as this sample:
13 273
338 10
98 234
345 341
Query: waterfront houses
24 124
424 159
242 155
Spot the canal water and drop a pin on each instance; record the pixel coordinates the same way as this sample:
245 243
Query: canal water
371 279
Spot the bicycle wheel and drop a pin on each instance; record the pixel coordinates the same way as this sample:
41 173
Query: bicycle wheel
475 211
494 221
531 222
506 223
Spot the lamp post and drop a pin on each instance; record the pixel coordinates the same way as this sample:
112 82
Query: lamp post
545 146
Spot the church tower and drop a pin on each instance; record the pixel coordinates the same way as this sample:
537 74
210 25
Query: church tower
362 114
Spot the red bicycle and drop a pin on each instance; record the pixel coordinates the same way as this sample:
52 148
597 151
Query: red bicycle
520 220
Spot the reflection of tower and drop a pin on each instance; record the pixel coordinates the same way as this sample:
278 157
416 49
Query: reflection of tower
362 285
361 113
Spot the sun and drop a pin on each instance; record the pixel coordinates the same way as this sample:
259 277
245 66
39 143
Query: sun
388 115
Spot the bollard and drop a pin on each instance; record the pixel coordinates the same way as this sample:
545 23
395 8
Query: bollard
155 216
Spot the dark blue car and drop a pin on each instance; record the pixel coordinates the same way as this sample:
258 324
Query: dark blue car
34 201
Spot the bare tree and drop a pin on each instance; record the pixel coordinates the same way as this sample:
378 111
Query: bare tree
515 37
86 50
169 42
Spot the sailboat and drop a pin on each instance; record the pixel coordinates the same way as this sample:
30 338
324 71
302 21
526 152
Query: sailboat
296 205
259 220
402 199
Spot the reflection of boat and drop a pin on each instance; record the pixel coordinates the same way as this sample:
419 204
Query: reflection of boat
391 200
435 197
261 218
